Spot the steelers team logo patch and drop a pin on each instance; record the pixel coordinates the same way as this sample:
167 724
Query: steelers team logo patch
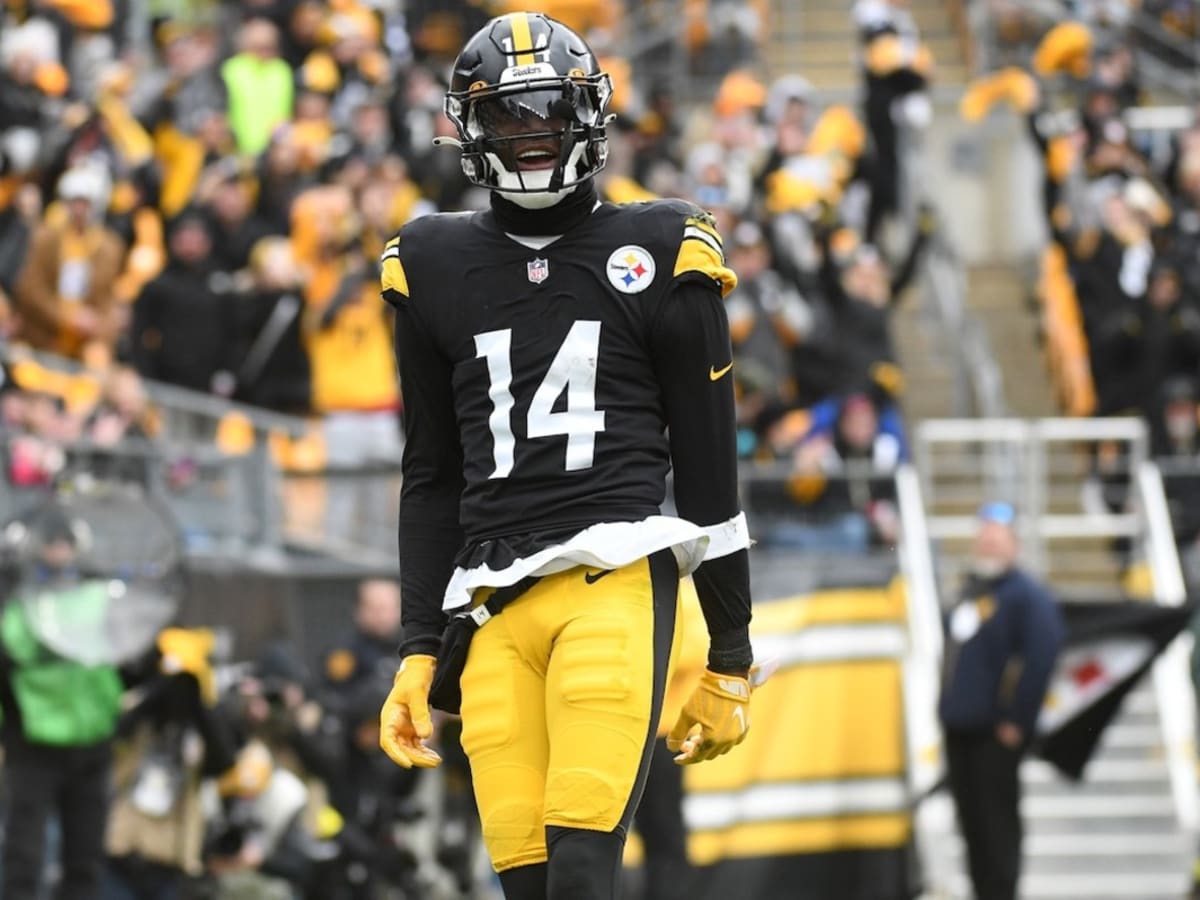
630 269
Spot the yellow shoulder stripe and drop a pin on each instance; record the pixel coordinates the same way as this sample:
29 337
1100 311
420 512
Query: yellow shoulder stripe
696 255
392 277
706 226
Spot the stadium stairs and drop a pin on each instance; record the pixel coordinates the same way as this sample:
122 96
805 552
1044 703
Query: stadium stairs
1113 836
1116 834
817 39
926 360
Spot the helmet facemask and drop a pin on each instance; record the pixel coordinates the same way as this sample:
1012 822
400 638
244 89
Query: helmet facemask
536 140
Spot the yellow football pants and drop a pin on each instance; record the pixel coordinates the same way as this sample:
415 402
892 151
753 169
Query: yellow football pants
561 694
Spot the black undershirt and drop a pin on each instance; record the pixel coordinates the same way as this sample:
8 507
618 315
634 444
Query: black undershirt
560 218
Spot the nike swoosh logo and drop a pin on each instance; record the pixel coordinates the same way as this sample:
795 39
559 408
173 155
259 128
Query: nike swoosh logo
740 715
593 577
715 374
737 688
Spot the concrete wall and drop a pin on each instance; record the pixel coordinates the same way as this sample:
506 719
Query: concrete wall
985 180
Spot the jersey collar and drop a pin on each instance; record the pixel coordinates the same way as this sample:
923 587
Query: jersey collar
558 219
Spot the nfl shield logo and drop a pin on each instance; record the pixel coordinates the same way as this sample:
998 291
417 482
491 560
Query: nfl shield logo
539 270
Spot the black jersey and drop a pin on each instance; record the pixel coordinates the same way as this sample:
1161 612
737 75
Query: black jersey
555 388
547 391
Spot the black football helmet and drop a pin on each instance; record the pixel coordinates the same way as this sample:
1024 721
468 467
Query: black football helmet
515 81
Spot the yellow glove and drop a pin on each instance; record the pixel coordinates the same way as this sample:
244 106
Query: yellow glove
714 720
404 723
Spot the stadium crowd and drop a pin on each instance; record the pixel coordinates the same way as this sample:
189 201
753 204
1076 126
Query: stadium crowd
1119 286
196 193
199 195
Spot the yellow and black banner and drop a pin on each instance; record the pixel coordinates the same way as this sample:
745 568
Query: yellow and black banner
816 798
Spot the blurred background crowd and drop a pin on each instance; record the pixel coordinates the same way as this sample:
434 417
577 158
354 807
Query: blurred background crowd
193 198
196 193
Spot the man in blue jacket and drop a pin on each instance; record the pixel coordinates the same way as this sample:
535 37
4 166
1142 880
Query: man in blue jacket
1002 641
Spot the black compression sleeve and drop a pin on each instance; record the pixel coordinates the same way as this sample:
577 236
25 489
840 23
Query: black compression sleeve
691 345
430 535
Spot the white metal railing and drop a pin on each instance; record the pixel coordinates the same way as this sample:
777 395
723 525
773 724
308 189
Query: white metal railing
925 633
1015 466
1027 446
1172 672
174 401
932 816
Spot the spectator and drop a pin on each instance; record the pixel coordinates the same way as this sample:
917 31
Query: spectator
116 433
367 652
369 127
353 38
39 427
186 108
273 369
843 476
253 829
184 321
227 193
725 35
1111 267
1150 344
32 85
1004 618
155 827
303 735
259 85
17 224
862 294
377 801
64 296
280 181
774 333
896 70
349 341
301 36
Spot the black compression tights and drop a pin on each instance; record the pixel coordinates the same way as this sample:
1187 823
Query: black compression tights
584 865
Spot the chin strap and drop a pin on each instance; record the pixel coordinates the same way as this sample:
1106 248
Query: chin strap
565 110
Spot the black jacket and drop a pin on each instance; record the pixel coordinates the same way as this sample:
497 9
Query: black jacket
1001 645
1136 351
183 328
273 369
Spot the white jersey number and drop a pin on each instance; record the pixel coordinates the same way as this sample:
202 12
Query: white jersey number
573 370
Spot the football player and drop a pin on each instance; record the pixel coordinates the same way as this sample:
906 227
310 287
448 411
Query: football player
558 355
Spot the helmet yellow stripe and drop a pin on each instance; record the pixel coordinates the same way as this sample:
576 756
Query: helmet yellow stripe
522 39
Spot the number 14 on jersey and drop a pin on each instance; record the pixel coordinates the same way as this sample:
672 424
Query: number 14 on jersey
573 369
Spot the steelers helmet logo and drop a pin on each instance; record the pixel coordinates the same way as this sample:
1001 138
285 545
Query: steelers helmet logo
630 269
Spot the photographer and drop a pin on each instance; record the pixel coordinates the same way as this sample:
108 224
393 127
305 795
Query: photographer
168 741
255 844
59 720
274 707
376 800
